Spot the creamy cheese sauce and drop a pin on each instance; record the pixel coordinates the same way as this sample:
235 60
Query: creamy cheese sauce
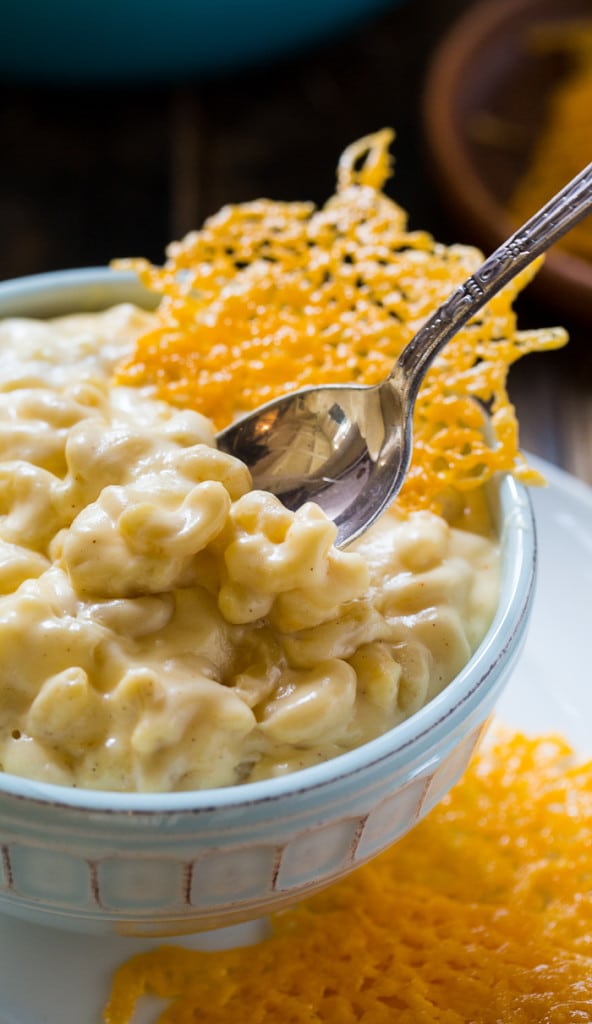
165 627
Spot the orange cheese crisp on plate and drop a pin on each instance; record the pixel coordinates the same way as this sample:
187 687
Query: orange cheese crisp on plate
269 296
482 914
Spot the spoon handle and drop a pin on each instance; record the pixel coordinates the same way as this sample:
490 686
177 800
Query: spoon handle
551 222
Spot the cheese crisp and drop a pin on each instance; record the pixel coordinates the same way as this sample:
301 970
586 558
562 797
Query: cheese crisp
481 914
268 297
162 625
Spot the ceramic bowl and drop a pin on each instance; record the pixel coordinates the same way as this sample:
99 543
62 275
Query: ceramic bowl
161 864
131 41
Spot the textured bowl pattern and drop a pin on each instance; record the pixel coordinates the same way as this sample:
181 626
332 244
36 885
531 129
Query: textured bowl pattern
146 874
214 868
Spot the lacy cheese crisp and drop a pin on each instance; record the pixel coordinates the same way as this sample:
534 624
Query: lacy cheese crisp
481 915
271 296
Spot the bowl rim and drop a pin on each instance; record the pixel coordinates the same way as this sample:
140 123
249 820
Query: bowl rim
430 724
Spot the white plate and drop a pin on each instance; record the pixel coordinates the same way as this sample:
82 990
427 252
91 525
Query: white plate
51 977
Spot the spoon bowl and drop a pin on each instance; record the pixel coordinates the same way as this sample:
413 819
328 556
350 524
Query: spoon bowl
348 447
345 447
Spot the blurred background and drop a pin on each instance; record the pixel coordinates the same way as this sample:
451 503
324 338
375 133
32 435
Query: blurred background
124 125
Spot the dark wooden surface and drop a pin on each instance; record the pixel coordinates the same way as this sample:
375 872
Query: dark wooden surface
89 173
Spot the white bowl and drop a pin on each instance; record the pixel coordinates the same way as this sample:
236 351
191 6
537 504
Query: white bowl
161 864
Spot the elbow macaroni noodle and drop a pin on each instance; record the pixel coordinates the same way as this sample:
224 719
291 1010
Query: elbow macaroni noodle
162 625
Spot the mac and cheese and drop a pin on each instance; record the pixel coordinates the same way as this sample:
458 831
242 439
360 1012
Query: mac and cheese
162 625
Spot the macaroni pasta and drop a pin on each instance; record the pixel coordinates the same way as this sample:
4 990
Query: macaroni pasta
162 625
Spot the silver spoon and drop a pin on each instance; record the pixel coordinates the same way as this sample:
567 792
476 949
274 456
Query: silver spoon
348 446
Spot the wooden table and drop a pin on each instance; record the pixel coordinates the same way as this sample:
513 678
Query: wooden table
91 173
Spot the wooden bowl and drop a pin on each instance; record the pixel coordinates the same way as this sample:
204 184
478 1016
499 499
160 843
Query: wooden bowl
484 103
